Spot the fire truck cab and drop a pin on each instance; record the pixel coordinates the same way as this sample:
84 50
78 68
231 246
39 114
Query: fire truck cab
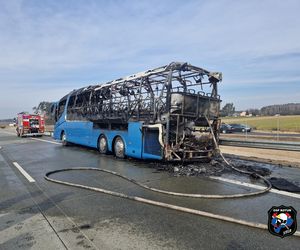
30 125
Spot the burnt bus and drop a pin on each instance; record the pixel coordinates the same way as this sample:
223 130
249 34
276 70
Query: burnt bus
164 113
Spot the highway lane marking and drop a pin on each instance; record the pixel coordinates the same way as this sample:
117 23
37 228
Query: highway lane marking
6 132
23 172
245 184
53 142
10 133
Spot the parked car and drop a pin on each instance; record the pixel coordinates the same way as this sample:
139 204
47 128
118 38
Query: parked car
240 128
225 128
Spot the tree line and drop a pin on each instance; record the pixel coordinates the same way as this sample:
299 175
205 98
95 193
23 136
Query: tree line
44 108
281 109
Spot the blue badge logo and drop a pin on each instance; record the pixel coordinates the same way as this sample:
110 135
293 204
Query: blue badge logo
282 221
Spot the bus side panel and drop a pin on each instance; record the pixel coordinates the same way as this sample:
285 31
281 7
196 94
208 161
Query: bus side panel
132 139
77 132
94 136
135 139
56 133
81 132
59 127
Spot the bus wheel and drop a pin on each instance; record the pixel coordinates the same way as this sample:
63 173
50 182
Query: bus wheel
102 145
64 139
119 148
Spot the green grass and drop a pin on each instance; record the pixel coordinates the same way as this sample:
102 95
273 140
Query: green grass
289 123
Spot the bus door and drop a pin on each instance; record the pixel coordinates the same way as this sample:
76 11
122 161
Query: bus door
152 142
60 113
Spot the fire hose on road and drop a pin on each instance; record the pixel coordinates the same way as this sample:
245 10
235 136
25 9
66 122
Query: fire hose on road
156 203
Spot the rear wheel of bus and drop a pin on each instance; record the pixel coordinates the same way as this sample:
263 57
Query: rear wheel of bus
119 148
102 145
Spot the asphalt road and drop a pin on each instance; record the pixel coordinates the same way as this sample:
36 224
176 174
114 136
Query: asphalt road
44 215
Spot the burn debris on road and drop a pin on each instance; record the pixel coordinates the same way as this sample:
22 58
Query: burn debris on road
283 184
262 169
216 167
256 169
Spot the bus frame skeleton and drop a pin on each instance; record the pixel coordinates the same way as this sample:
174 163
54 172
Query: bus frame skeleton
170 102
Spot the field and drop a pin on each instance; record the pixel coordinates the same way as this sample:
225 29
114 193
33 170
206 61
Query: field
268 123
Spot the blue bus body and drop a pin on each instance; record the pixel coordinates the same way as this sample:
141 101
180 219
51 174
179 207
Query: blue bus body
137 144
168 113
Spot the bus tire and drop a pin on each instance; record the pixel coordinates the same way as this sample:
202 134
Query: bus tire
64 141
102 145
119 148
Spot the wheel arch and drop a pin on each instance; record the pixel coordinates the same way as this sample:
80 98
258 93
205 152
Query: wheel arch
61 133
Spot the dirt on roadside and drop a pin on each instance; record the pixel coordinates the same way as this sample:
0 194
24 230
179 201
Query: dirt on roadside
273 156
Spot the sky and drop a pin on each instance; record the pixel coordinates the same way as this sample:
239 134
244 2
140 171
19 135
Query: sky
50 47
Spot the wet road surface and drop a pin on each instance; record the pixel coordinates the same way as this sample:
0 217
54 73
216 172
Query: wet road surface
44 215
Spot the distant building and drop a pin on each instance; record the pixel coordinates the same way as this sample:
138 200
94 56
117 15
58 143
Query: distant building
244 113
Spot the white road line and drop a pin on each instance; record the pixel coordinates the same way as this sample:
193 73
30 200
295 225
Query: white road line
245 184
23 172
53 142
6 132
10 133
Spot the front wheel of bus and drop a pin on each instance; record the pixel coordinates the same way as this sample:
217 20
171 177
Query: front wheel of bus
64 139
119 148
102 146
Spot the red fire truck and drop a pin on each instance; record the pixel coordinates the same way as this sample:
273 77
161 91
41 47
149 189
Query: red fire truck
30 125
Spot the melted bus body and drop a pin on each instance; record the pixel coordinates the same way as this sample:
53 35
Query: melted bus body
163 114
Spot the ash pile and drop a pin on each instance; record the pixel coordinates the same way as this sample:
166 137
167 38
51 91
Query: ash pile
216 167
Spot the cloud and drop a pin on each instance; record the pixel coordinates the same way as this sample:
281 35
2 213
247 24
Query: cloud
56 44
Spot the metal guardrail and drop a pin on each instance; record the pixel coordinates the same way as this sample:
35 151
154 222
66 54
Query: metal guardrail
290 146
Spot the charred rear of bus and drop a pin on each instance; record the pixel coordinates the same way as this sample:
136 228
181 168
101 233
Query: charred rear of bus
174 103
